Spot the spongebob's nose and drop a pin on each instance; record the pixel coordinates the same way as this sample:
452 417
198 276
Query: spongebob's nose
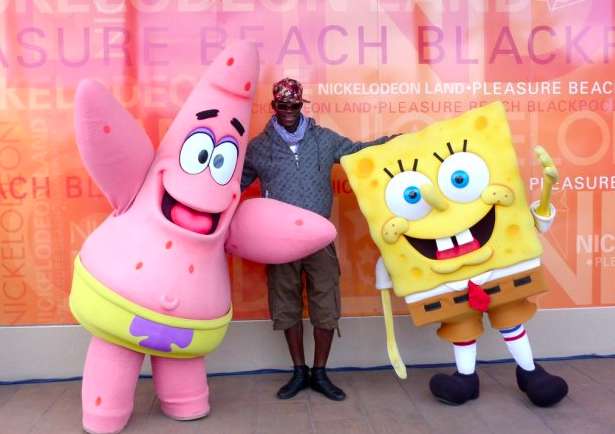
433 197
496 194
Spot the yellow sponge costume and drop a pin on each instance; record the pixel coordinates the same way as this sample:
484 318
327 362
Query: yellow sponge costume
447 210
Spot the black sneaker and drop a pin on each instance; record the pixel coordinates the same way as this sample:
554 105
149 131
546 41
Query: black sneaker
454 389
542 388
299 381
321 383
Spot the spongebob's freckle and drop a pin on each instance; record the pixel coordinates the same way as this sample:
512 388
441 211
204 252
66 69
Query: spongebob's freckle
365 167
416 272
374 183
513 230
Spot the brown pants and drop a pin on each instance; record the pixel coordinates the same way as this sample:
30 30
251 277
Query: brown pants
322 274
459 322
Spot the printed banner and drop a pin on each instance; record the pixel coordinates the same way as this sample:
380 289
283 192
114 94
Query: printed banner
369 68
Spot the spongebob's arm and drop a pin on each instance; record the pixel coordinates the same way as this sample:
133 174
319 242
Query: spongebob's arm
272 232
114 148
384 284
543 210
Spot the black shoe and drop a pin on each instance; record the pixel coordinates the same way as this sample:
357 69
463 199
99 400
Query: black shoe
542 388
299 381
454 389
321 383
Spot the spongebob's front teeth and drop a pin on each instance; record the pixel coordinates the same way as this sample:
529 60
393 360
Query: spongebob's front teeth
464 237
444 243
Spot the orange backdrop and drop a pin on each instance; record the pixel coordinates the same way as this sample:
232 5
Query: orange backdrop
370 68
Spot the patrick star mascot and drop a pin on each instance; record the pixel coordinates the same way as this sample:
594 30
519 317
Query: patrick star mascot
153 278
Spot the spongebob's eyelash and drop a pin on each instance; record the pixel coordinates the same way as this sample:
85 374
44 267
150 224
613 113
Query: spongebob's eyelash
450 149
401 167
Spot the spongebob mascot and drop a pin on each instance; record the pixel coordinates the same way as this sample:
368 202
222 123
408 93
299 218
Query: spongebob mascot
447 209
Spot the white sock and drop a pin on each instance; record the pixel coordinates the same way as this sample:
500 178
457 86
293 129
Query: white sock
465 357
519 346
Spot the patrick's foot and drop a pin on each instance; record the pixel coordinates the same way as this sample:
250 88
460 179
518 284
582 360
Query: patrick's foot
195 408
105 422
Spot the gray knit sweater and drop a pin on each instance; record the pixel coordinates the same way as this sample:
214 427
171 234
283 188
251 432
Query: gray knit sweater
302 179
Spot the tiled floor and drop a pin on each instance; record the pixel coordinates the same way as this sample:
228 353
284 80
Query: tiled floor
377 402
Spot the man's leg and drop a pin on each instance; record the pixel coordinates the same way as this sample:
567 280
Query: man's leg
322 346
322 270
286 309
294 340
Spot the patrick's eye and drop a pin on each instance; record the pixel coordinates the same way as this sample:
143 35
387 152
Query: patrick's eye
463 176
403 195
223 162
196 152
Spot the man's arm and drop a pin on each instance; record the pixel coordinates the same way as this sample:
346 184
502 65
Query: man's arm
344 146
249 173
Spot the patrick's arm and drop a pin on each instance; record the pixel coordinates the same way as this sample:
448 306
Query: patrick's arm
114 148
272 232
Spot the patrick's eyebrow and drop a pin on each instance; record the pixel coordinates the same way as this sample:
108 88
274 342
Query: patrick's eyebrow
206 114
240 129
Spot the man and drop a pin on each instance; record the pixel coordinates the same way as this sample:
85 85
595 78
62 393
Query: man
293 158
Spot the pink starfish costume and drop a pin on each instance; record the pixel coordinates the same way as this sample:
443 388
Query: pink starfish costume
153 278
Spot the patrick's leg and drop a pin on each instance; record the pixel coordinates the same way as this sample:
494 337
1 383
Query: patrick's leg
109 380
181 385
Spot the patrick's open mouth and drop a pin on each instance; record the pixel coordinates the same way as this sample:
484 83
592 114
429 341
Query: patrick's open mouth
459 244
201 222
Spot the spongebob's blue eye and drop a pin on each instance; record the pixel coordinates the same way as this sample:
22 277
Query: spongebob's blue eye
412 194
463 176
403 195
460 178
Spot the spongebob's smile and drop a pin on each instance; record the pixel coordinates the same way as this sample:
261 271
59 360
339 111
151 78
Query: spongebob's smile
459 244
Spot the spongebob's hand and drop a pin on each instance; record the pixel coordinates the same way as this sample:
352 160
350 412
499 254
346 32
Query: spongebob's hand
550 176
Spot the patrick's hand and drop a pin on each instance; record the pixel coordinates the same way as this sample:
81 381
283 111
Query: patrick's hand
272 232
114 148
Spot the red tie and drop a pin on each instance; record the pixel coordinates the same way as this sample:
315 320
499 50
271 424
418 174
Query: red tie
477 297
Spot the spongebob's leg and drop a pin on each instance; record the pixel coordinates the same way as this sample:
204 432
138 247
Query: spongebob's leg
463 385
542 388
109 380
181 385
519 346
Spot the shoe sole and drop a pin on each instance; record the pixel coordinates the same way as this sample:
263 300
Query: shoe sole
291 396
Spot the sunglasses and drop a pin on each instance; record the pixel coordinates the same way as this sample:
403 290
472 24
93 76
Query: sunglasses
288 105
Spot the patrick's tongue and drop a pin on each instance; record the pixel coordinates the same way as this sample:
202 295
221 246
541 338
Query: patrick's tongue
193 220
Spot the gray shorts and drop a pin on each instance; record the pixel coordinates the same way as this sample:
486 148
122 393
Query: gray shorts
322 278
